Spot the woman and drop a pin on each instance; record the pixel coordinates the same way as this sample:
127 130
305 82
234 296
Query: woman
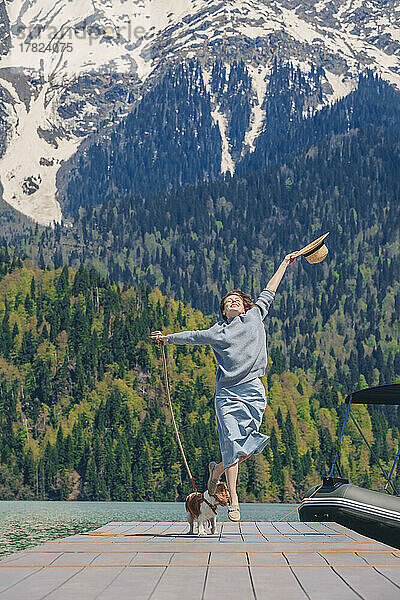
239 346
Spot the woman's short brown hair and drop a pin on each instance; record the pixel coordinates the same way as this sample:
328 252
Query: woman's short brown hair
247 301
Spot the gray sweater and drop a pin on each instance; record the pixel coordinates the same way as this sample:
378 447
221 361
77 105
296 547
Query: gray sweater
239 344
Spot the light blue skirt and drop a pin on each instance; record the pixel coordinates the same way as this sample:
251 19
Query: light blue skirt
239 411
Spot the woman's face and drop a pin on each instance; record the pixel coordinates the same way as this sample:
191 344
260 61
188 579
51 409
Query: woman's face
233 306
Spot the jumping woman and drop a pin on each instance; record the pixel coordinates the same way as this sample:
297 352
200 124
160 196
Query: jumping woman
239 346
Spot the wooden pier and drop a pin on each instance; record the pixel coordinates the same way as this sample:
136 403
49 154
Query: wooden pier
157 561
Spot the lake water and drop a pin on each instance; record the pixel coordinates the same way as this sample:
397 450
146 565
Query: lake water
26 524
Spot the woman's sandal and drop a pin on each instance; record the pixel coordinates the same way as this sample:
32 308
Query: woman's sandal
211 483
234 512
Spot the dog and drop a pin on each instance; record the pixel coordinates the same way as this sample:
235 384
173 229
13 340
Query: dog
203 508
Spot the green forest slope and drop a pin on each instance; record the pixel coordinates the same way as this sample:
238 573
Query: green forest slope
338 320
83 411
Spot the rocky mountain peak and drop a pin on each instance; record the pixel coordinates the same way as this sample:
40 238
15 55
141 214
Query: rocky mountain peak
72 69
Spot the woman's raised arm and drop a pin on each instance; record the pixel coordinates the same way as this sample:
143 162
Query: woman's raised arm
279 273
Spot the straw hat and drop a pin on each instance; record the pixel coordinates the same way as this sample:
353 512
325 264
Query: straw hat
316 251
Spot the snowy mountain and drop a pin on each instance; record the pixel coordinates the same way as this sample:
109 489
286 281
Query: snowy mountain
73 71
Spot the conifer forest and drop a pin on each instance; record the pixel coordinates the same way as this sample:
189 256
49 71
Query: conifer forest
83 412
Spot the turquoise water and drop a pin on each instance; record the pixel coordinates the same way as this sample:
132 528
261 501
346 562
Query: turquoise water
26 524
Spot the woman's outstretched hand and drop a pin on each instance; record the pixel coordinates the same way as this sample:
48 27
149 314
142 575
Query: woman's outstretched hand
289 258
277 276
158 336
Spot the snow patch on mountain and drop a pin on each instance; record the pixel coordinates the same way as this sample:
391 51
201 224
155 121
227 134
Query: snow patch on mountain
227 164
30 162
259 76
341 86
69 38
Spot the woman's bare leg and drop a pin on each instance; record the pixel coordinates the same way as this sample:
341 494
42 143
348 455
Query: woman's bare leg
219 467
231 474
218 470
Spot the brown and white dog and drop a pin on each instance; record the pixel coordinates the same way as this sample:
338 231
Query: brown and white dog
203 508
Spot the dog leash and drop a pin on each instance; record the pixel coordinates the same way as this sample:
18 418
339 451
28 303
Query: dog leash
178 439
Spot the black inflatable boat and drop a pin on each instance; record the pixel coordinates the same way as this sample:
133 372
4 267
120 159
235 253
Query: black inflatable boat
371 513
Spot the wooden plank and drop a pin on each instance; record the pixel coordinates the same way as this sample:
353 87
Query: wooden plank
11 576
281 584
319 580
386 564
184 558
313 558
180 531
143 535
392 574
26 558
72 559
301 527
352 535
99 546
286 539
40 583
134 530
136 523
283 528
129 584
342 558
207 545
108 529
113 559
276 538
185 583
248 528
383 558
368 583
151 558
266 558
234 584
323 582
226 558
85 584
223 548
315 526
317 538
254 539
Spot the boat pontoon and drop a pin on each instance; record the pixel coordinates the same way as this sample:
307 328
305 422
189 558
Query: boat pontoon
371 513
